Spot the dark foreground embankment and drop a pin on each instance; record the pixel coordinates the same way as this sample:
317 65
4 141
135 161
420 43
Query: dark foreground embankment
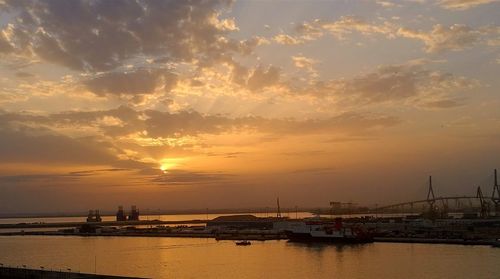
22 273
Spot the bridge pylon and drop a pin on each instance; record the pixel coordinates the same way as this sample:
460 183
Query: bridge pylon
431 200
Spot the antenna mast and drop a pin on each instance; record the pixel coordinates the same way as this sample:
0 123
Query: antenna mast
279 209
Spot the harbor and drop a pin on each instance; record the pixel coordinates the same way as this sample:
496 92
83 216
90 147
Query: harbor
410 229
432 220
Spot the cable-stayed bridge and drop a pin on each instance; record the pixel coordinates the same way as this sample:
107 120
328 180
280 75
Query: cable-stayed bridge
441 205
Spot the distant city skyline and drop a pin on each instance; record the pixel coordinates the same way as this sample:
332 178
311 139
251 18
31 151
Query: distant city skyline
220 104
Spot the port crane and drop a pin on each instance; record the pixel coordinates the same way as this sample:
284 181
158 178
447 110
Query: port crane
485 206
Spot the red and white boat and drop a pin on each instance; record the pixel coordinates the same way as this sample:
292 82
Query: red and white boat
326 230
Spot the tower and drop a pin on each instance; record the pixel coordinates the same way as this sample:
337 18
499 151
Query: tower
120 214
134 214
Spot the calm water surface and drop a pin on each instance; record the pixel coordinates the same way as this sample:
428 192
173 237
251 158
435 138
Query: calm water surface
207 258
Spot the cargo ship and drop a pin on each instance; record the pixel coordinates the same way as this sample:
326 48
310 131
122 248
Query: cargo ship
326 230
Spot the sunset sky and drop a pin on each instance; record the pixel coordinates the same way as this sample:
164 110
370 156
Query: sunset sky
221 104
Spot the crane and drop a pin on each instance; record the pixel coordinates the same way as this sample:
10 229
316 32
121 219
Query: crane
485 206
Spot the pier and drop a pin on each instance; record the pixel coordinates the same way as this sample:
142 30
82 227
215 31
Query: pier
25 273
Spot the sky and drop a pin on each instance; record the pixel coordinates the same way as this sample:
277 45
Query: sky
230 104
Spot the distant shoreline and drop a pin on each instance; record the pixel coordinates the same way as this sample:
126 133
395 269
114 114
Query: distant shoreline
269 211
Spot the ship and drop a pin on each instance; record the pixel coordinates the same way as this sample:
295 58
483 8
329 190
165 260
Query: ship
243 243
326 230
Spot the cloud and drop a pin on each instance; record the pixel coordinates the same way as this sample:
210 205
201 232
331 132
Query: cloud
135 141
226 154
348 24
94 172
141 81
303 62
23 146
192 123
315 171
445 103
103 35
463 4
455 37
407 83
184 177
346 123
261 77
254 79
386 4
24 75
39 179
285 39
52 177
440 38
23 140
387 83
342 27
159 126
5 46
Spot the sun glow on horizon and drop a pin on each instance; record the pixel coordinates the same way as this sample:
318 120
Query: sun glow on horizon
170 163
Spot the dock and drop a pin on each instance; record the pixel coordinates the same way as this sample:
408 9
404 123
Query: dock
24 273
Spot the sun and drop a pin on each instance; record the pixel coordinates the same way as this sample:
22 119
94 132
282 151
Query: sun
164 167
167 164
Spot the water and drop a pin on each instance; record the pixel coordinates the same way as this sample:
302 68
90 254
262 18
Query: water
157 257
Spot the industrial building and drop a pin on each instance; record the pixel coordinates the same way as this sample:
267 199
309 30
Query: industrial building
133 216
94 216
242 222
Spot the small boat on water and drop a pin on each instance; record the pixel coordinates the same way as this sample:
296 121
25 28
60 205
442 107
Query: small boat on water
243 243
326 230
